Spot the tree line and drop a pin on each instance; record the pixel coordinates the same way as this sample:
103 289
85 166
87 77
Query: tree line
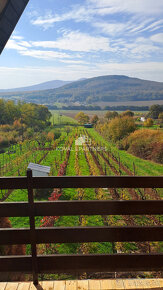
31 115
98 108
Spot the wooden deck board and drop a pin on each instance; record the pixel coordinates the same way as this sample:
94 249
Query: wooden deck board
106 285
152 284
117 284
161 283
71 285
82 285
23 286
109 284
129 284
60 285
2 286
48 285
32 287
12 286
94 284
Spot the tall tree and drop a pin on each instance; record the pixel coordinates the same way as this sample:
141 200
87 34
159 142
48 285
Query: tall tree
82 118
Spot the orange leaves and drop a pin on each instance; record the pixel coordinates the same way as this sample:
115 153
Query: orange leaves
146 144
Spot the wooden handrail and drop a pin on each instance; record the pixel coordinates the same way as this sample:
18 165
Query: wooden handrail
82 235
89 207
83 182
80 263
84 263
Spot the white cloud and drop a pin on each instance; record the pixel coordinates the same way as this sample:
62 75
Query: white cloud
77 13
129 27
79 44
153 26
141 47
17 37
71 61
25 48
110 28
44 54
92 8
77 41
12 44
157 38
148 7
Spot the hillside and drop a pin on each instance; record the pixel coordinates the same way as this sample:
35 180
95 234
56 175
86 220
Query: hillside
104 88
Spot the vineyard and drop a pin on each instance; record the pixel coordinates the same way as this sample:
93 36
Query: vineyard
83 152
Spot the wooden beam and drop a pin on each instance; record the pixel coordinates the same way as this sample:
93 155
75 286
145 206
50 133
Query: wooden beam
13 182
83 182
82 235
84 263
91 207
99 182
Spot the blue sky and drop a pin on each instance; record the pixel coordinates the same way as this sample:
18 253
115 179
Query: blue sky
73 39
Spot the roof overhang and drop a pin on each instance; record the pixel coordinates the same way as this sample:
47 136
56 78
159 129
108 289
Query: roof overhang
10 12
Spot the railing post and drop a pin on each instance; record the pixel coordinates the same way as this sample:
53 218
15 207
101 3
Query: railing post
32 226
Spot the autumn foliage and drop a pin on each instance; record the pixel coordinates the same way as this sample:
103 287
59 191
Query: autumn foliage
146 144
82 118
117 128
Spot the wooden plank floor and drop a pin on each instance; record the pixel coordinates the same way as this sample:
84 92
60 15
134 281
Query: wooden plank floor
120 284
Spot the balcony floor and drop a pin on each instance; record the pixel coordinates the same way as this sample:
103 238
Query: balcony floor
121 284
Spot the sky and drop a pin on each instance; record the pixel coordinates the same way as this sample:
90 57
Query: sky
73 39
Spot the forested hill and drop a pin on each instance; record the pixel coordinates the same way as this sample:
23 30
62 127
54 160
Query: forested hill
104 88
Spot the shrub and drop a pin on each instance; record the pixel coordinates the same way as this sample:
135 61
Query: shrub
146 144
3 142
111 115
148 122
94 120
82 118
119 128
127 113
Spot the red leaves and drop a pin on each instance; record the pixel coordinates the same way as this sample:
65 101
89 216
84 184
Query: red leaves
48 221
62 169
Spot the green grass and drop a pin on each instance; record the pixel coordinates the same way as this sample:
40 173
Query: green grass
143 167
59 119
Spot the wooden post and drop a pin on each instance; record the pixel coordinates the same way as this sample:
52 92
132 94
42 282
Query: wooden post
134 168
32 226
105 169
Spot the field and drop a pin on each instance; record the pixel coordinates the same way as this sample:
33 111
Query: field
130 103
66 117
60 118
81 152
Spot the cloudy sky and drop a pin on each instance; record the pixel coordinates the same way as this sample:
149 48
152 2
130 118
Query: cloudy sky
73 39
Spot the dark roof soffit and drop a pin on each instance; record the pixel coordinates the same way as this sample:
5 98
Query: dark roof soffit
10 13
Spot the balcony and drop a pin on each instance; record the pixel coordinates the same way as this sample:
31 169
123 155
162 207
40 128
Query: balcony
39 264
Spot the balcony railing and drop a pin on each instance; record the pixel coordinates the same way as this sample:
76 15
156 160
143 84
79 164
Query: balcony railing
80 263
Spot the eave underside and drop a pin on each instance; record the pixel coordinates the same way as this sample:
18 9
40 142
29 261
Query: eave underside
10 13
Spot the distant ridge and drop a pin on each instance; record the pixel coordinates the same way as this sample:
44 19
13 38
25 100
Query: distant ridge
39 87
109 88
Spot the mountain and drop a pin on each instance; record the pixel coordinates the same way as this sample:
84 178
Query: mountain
111 88
43 86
